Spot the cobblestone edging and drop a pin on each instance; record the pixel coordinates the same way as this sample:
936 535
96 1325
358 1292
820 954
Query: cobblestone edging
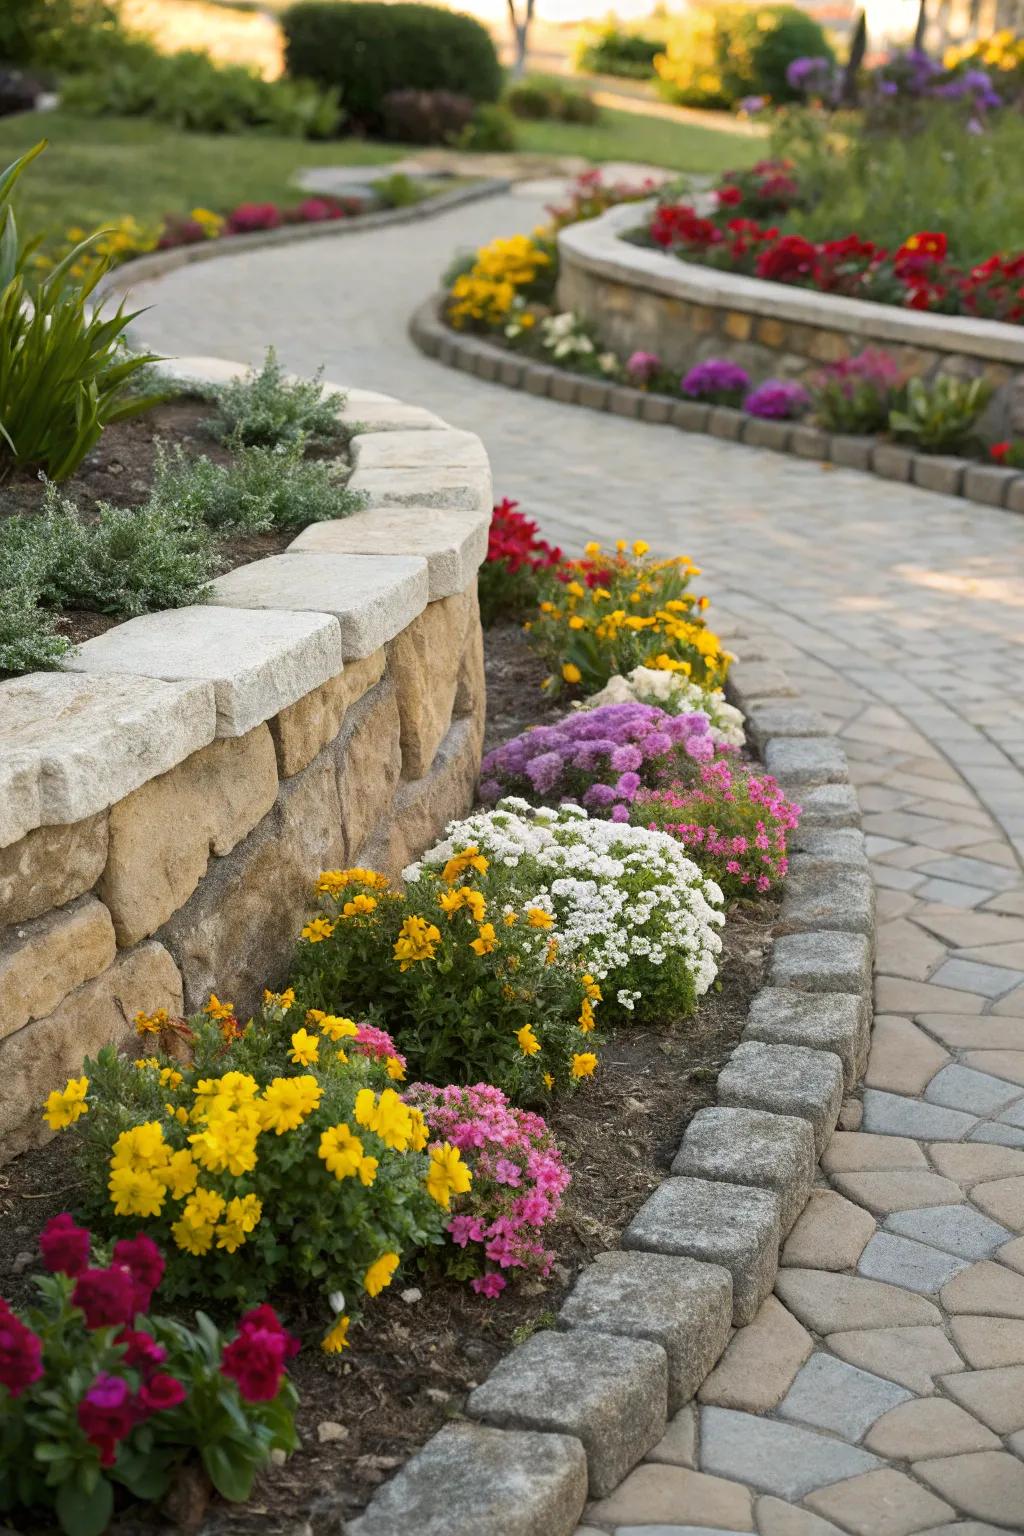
169 796
571 1411
988 484
144 269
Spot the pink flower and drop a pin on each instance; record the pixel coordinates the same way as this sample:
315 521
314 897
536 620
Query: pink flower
144 1261
492 1284
21 1353
106 1296
64 1246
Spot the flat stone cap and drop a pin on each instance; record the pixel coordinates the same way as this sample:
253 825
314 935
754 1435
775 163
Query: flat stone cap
371 597
257 661
445 448
454 544
470 1480
70 746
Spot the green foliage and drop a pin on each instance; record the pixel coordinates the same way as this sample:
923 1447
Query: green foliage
717 55
29 641
537 97
64 369
398 190
491 131
940 417
56 34
47 1463
262 488
191 91
265 409
613 50
130 560
367 50
886 187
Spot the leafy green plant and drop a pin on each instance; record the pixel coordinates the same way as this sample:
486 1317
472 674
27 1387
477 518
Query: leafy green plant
64 368
492 130
60 34
718 54
265 408
29 641
97 1394
190 91
940 417
537 97
261 488
398 190
611 50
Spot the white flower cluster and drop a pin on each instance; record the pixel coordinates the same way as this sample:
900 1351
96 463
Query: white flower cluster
676 695
566 335
625 899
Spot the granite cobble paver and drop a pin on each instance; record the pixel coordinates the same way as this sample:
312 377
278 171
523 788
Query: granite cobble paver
872 594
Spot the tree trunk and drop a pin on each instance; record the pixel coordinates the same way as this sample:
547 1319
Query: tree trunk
521 35
922 25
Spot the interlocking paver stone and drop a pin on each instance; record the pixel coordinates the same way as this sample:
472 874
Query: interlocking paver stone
653 1495
829 1303
912 1356
928 1427
788 1080
777 1518
986 1288
958 1229
995 1396
900 1116
988 1341
989 1484
903 1058
785 1459
901 1261
758 1367
829 1394
863 1152
883 1503
970 1165
749 1146
885 1193
678 1445
1003 1199
830 1234
976 1093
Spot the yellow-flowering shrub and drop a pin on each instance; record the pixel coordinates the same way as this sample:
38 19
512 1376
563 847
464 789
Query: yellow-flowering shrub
473 988
618 610
521 267
278 1158
116 242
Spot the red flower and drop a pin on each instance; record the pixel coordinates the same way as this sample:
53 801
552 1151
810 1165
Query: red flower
728 197
1000 452
106 1296
315 210
255 1360
106 1414
926 243
64 1246
789 258
141 1351
144 1261
160 1393
251 216
21 1353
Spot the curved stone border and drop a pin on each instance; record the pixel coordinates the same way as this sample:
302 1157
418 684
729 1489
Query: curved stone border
144 269
988 484
570 1412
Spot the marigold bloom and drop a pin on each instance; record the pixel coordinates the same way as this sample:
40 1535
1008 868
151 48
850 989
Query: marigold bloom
583 1063
341 1151
240 1218
305 1051
64 1107
134 1192
528 1042
334 1342
380 1273
287 1101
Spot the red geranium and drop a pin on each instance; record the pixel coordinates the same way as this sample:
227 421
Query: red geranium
1000 452
790 258
514 538
21 1353
64 1246
253 216
106 1296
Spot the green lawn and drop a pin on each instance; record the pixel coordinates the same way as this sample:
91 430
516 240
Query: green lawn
97 169
650 140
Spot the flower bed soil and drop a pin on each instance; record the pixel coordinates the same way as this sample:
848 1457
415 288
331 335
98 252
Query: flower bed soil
424 1344
120 471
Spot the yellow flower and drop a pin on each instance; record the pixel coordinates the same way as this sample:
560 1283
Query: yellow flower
552 953
134 1192
469 858
218 1010
528 1042
335 1028
486 939
170 1077
241 1216
538 918
287 1102
203 1208
334 1342
316 931
341 1151
448 1174
196 1240
640 548
464 896
583 1063
549 1081
592 550
511 918
141 1148
64 1108
417 940
228 1142
380 1273
388 1117
359 905
395 1070
571 672
368 1171
305 1051
180 1175
145 1061
591 988
282 1000
586 1020
150 1023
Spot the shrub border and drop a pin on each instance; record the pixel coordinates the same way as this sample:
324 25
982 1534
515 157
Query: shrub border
143 269
988 484
544 1430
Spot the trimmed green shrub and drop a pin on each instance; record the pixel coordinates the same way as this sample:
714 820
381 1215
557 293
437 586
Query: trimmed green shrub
263 488
613 51
717 56
56 34
540 97
368 50
29 641
492 131
265 408
190 91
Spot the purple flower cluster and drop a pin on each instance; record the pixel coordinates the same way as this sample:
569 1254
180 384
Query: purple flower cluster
642 367
600 757
717 380
777 400
914 73
813 76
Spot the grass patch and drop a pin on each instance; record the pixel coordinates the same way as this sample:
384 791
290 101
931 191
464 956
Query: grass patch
647 139
98 169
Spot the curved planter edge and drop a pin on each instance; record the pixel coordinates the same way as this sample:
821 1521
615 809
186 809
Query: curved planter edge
987 484
553 1425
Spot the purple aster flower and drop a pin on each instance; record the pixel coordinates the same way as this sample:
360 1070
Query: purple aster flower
544 772
599 796
627 786
626 759
777 400
716 379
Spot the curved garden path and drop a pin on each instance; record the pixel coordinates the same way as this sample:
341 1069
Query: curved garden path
881 1391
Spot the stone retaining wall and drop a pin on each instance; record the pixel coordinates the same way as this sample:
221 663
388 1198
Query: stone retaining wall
639 298
168 799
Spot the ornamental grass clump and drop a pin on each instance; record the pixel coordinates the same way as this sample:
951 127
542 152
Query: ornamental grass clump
470 987
274 1159
497 1226
621 609
623 901
733 822
600 758
97 1394
674 694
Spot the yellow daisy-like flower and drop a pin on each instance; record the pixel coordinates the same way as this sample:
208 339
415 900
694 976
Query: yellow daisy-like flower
64 1106
368 1171
538 918
469 858
334 1027
334 1342
181 1175
395 1070
133 1192
218 1010
287 1101
240 1218
486 940
341 1151
583 1063
317 930
528 1042
305 1051
380 1273
571 672
359 906
193 1239
448 1174
640 548
417 940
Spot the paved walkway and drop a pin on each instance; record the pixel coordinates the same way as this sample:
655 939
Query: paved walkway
881 1391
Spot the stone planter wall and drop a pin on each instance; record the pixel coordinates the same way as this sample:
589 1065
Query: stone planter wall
645 299
168 799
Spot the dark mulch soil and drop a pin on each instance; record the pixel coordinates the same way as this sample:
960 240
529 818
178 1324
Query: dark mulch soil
426 1343
120 471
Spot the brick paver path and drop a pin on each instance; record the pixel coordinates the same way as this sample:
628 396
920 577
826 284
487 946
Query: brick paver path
881 1391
